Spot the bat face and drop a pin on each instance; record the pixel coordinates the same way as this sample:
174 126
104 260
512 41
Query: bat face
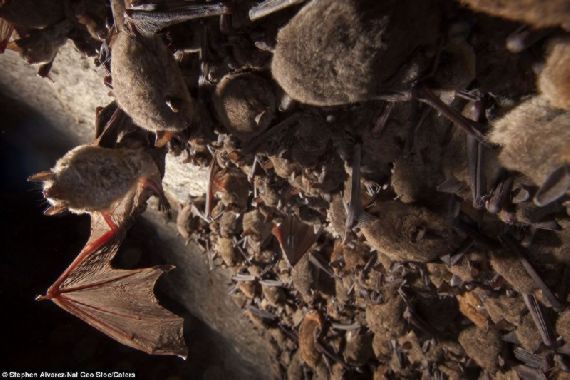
90 178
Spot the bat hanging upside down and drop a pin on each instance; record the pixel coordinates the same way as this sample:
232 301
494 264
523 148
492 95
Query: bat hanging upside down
112 185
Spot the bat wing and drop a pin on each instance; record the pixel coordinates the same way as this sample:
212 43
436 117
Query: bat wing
122 304
295 238
6 30
118 302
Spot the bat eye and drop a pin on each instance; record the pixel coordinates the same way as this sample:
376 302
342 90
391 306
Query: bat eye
50 193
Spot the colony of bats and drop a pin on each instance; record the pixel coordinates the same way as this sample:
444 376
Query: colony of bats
388 179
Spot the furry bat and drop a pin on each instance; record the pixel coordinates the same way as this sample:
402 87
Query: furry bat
112 185
118 302
147 81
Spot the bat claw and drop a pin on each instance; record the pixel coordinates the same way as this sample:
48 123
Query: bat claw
55 210
163 204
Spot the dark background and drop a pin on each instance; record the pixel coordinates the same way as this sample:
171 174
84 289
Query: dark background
36 249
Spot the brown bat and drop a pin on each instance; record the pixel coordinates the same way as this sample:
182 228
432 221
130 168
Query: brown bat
309 331
365 67
112 185
147 81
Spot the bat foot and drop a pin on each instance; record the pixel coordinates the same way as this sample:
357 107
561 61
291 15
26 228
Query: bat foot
163 138
156 188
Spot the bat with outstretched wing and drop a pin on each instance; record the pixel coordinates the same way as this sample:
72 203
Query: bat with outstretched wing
118 302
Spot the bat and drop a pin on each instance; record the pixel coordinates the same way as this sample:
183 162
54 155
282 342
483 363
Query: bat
295 238
509 243
146 98
365 67
309 331
118 302
245 104
112 185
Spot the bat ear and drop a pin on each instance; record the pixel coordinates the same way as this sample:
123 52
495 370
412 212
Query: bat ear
42 176
55 210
